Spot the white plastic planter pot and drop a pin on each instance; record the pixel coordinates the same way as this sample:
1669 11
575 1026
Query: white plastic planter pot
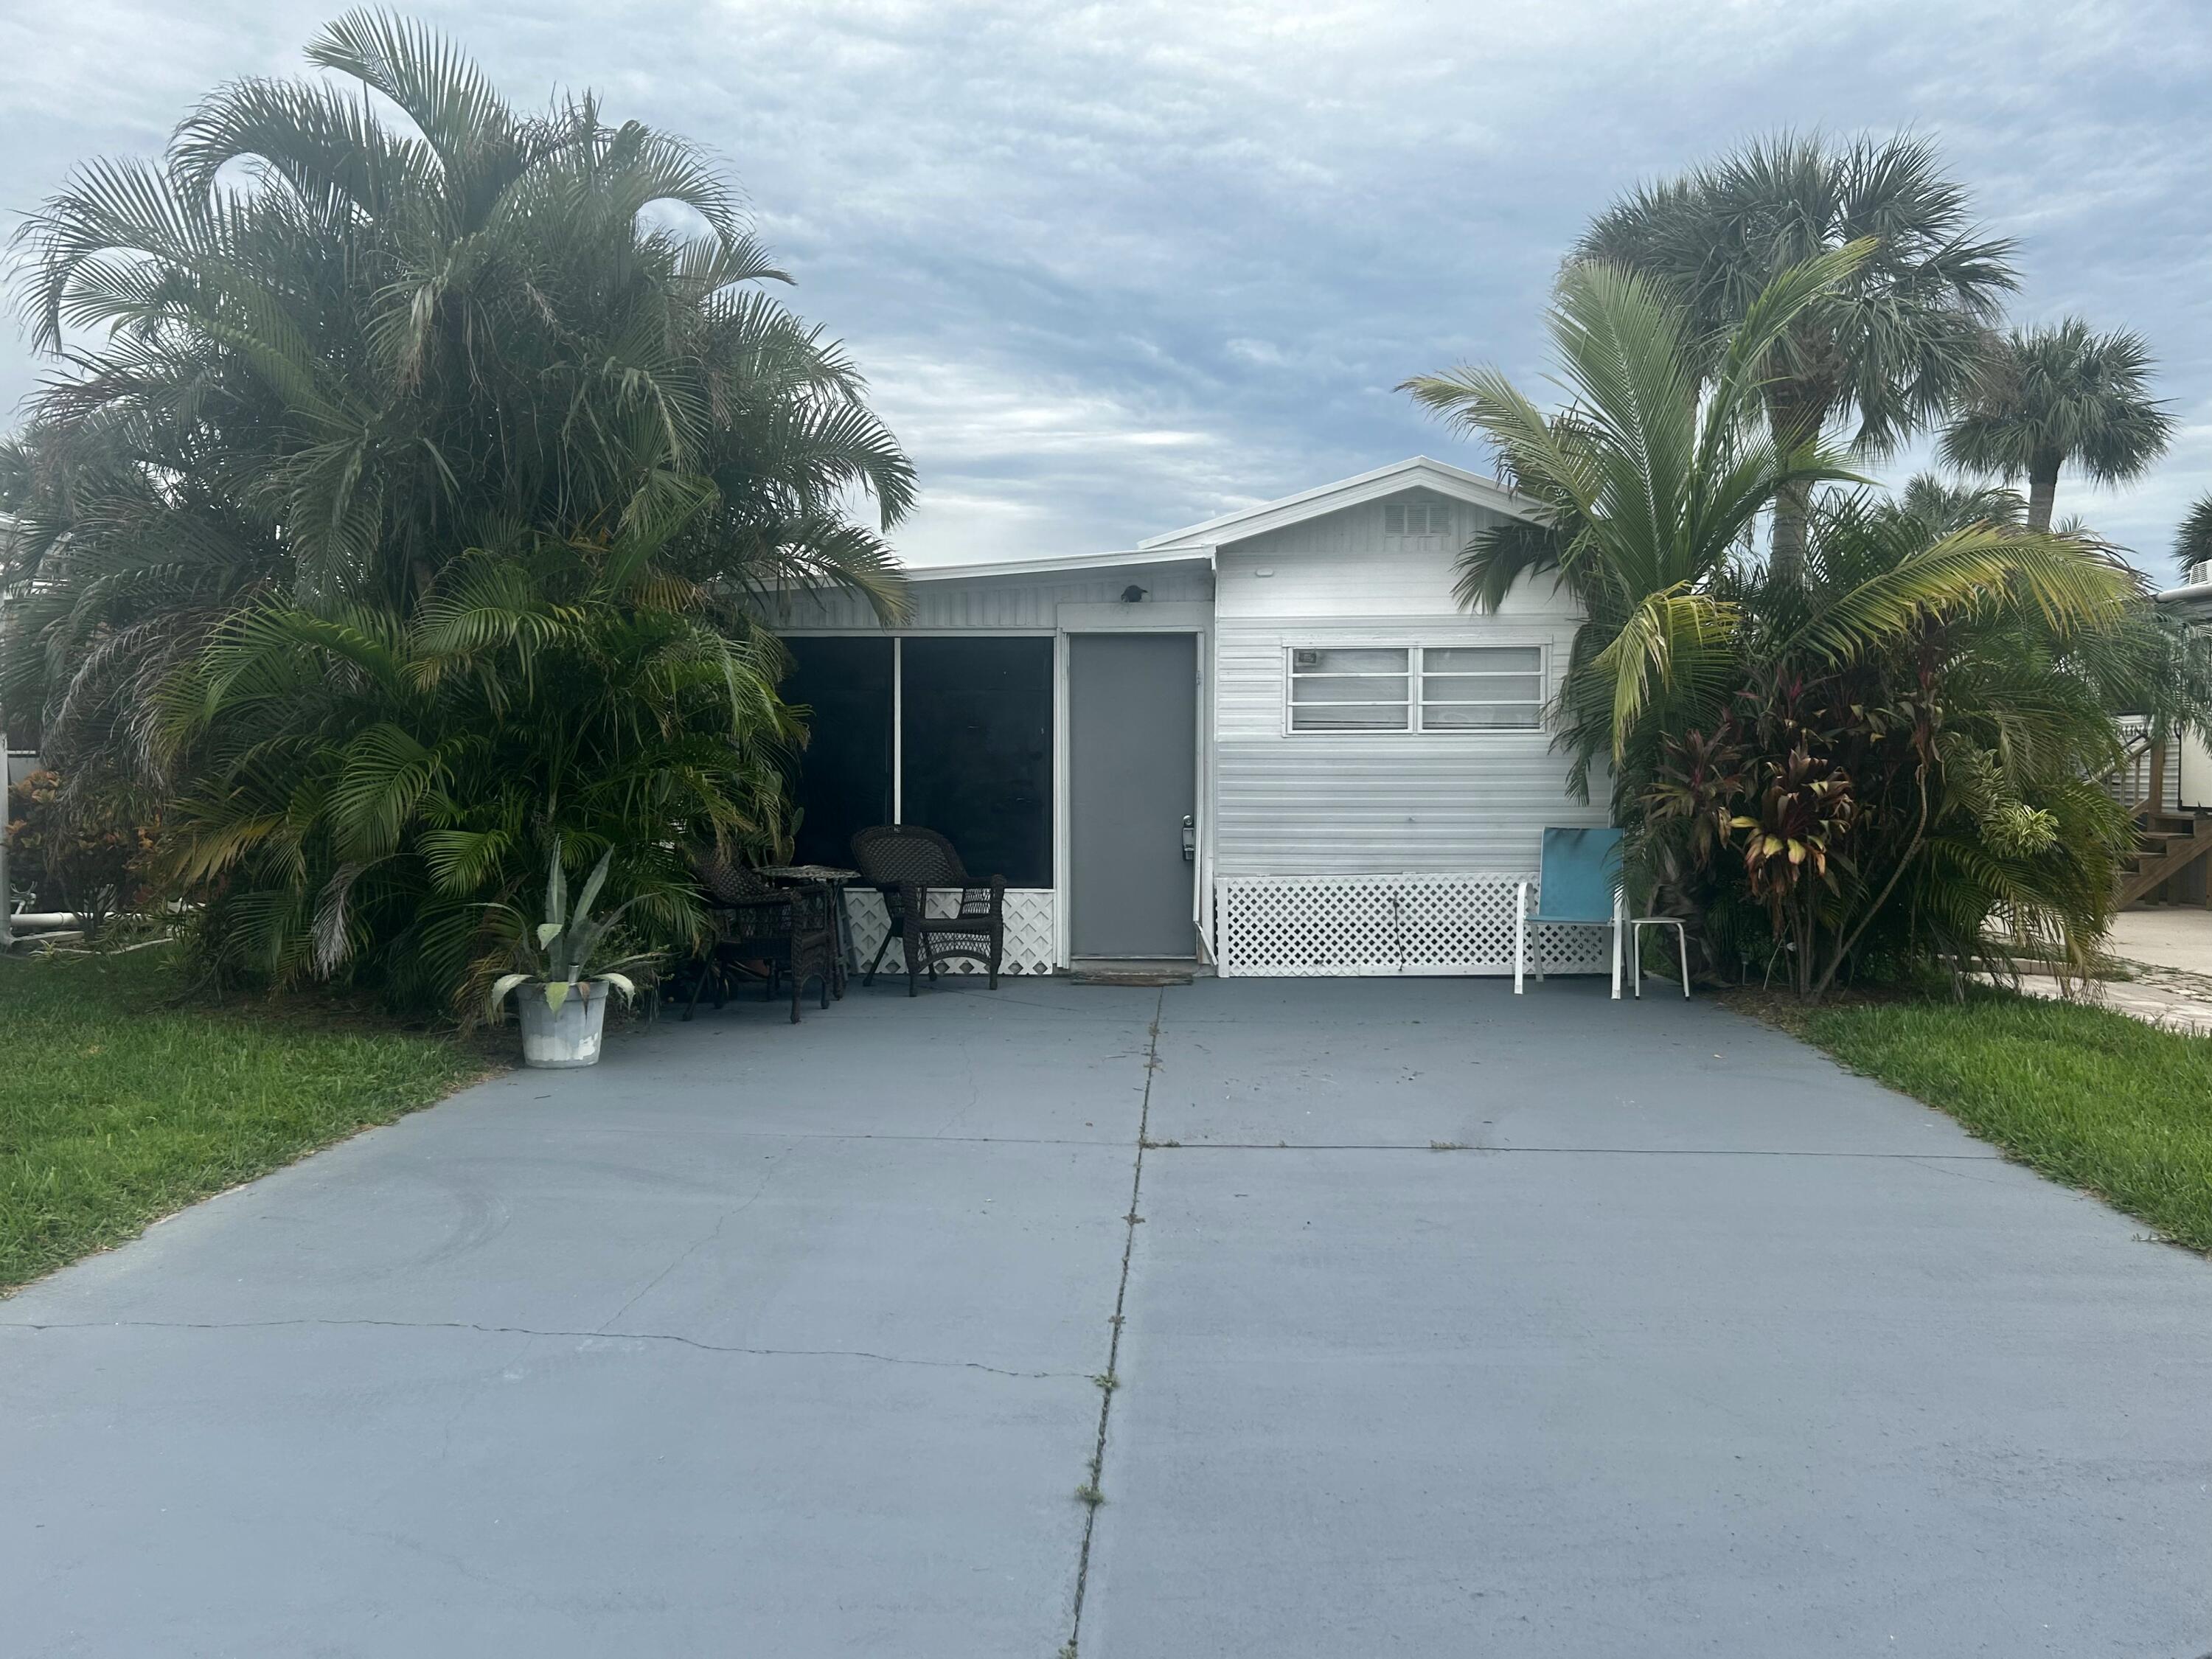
558 1038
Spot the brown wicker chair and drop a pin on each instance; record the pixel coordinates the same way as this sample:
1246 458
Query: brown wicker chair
903 863
787 931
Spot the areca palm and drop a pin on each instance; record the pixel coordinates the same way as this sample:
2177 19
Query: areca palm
385 346
1889 350
321 374
368 791
2050 397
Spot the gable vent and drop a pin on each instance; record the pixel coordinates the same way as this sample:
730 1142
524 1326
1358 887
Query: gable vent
1416 519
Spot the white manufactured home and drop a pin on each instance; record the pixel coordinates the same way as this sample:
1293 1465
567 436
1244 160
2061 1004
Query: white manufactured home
1273 743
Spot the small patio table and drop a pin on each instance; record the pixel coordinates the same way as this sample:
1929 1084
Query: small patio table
836 880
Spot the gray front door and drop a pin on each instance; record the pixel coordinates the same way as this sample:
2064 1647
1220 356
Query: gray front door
1133 787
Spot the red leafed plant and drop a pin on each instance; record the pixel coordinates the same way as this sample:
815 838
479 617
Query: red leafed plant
1793 844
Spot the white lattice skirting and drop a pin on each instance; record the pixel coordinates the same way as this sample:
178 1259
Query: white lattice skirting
1032 938
1374 925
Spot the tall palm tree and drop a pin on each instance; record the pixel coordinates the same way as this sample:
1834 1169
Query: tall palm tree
1649 493
441 413
1889 352
2048 398
1911 714
2192 542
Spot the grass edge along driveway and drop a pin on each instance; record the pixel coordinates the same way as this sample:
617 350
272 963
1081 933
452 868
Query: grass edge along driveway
2090 1098
118 1108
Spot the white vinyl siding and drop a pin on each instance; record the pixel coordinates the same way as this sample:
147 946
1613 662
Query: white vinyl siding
1472 799
981 604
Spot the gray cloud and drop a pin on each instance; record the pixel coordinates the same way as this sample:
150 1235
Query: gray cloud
1115 268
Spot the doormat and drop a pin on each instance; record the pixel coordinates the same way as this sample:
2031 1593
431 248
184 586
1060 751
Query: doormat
1132 974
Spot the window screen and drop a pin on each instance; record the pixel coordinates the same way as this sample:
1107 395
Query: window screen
977 751
1482 688
1348 688
844 773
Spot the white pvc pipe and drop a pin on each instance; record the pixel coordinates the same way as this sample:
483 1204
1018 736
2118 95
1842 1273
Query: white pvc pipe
45 919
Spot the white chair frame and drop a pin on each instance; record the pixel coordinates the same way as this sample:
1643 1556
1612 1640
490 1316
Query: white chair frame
1520 938
1636 927
1627 930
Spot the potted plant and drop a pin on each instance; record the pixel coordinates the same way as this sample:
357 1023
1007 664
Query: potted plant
565 1003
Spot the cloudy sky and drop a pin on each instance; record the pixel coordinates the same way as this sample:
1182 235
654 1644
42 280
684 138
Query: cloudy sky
1115 268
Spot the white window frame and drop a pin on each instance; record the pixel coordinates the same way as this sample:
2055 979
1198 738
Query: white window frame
1415 673
1411 675
1421 701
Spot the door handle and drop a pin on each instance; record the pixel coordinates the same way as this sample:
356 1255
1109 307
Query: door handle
1189 839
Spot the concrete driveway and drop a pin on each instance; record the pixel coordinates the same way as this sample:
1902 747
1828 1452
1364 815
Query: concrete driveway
1450 1324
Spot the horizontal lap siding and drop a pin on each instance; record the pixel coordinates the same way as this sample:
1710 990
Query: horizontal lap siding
988 602
1372 803
1361 815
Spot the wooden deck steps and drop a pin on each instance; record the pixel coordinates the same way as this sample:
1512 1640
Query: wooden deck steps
2167 843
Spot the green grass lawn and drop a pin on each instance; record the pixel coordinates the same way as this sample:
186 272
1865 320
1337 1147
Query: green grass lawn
117 1108
2087 1096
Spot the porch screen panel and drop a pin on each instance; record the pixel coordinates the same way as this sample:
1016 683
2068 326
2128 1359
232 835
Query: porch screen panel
977 751
844 773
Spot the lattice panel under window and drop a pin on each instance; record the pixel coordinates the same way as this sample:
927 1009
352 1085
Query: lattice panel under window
1032 942
1279 926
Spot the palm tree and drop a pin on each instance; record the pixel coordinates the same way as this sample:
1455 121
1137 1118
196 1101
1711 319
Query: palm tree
1941 506
1650 491
2047 398
2192 543
367 791
444 412
1890 350
1886 748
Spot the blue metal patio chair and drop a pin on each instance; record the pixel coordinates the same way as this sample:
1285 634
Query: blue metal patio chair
1580 886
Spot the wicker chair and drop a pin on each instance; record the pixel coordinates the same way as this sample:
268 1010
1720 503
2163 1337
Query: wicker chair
787 930
904 863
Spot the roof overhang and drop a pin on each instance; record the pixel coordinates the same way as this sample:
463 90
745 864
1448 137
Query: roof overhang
1056 564
1419 473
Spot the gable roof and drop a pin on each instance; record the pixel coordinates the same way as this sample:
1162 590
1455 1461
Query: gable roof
1053 563
1195 543
1419 472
